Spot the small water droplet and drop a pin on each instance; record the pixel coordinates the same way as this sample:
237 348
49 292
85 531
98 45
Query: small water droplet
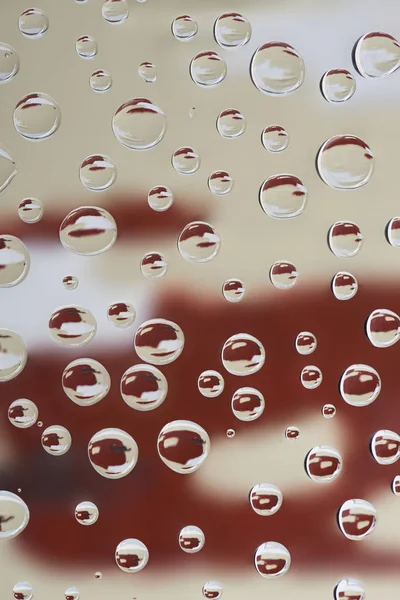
393 232
338 85
113 453
143 387
40 423
70 282
191 539
159 341
360 385
265 499
212 590
14 515
30 210
376 54
88 230
232 30
328 411
283 275
160 198
184 28
85 381
349 589
233 290
13 354
183 446
86 46
23 413
14 261
72 326
98 575
98 172
33 23
323 464
383 328
277 68
243 354
208 69
192 112
275 138
356 519
292 433
115 11
121 314
139 124
247 404
283 196
86 513
345 239
210 384
396 485
56 440
8 167
306 343
19 490
148 72
23 590
72 593
37 116
272 559
311 377
344 285
385 447
230 433
231 123
345 162
153 265
198 242
220 183
186 160
131 555
100 81
9 62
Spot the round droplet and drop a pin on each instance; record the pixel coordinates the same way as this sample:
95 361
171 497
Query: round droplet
139 124
70 282
283 275
233 290
345 162
396 485
243 354
231 123
292 433
191 539
393 232
159 341
265 499
328 411
9 62
198 242
212 590
85 381
113 453
184 28
37 116
275 138
72 326
183 446
98 172
385 447
72 593
121 314
357 519
115 11
323 464
40 423
153 265
344 285
23 590
345 239
14 261
30 210
13 355
131 555
100 81
160 198
232 30
33 23
377 54
208 69
186 161
311 377
283 196
338 85
148 72
56 440
8 167
230 433
14 515
272 559
144 387
383 328
306 343
98 575
86 513
277 68
23 413
210 384
349 589
360 385
220 183
88 230
247 404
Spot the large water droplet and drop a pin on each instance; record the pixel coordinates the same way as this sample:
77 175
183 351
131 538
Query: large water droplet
292 432
85 381
383 328
344 285
33 23
220 183
360 385
275 138
231 123
139 124
9 62
305 343
272 559
23 413
191 539
113 453
385 447
100 81
311 377
393 232
328 411
356 519
242 354
14 515
144 387
86 46
349 589
198 242
153 265
88 230
184 28
86 513
186 160
121 314
115 11
37 116
376 54
131 555
56 440
338 85
8 167
396 485
232 30
283 196
345 239
72 593
70 282
323 464
148 72
247 404
13 354
160 198
233 290
183 446
283 274
14 261
23 590
210 384
98 172
72 326
212 590
208 69
265 499
30 210
277 68
345 162
159 341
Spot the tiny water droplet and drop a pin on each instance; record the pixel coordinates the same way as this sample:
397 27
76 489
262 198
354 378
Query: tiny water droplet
385 447
183 446
311 377
283 196
360 385
33 23
148 72
208 69
159 341
72 326
231 123
14 515
345 162
23 413
344 285
186 160
247 404
383 328
86 46
56 440
70 282
139 124
323 464
198 242
191 539
232 30
13 355
100 81
349 589
115 11
292 433
143 387
88 230
8 167
210 384
393 232
376 54
272 559
345 239
85 381
212 590
356 519
131 555
98 575
72 593
306 343
121 314
153 265
277 68
220 183
328 411
37 116
19 490
283 274
233 290
86 513
30 210
160 198
184 28
14 261
113 453
192 112
230 433
396 485
23 590
275 138
338 85
40 423
9 62
98 172
243 354
265 499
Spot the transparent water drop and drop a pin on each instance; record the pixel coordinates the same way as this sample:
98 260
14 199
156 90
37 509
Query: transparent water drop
186 160
40 423
113 453
233 290
131 555
242 354
86 513
143 387
153 265
277 68
9 62
86 46
139 124
23 413
393 232
311 377
349 589
265 499
14 261
159 341
19 490
383 328
56 440
191 539
33 23
305 343
88 230
231 123
230 433
247 404
396 485
232 30
30 210
98 575
121 314
13 355
275 138
212 590
192 112
23 590
356 519
283 196
72 593
360 385
338 85
37 116
85 381
8 166
210 384
184 28
70 282
100 81
345 162
323 464
183 446
345 239
98 172
148 72
14 515
344 285
385 447
328 411
72 326
160 198
283 274
376 54
272 559
292 433
198 242
220 183
115 11
208 69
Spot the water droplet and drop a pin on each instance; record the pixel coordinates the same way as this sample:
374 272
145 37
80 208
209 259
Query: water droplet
232 30
14 515
349 589
345 162
385 447
13 355
159 341
98 172
344 285
160 198
323 464
265 499
153 265
131 555
85 381
121 314
14 261
220 183
328 411
208 69
283 196
72 593
306 343
100 81
277 68
183 446
23 590
272 559
148 72
33 23
311 377
210 384
212 590
230 433
186 161
144 387
115 11
233 290
383 328
231 123
393 232
283 275
360 385
357 519
396 485
9 62
192 112
40 123
30 210
88 230
86 513
70 282
40 423
243 354
98 575
345 239
198 242
376 54
23 413
184 28
275 138
292 433
338 85
113 453
8 167
139 124
19 490
56 440
86 46
247 404
191 539
72 326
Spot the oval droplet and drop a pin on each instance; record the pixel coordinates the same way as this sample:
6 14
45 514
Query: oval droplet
9 62
183 446
131 555
37 116
198 242
344 285
212 590
328 411
98 575
100 81
306 343
338 85
283 274
360 385
277 68
233 290
345 239
72 593
357 519
23 590
292 433
396 485
376 54
148 72
8 167
98 172
231 123
85 381
86 46
88 230
243 354
143 387
115 11
220 183
153 265
160 198
311 377
113 453
349 589
265 499
56 440
86 513
323 464
283 196
159 341
393 232
345 162
14 261
13 355
275 138
30 210
186 160
210 384
385 447
72 326
383 328
208 69
70 282
23 413
121 314
14 515
247 404
191 539
184 28
139 124
232 30
33 23
230 433
272 559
